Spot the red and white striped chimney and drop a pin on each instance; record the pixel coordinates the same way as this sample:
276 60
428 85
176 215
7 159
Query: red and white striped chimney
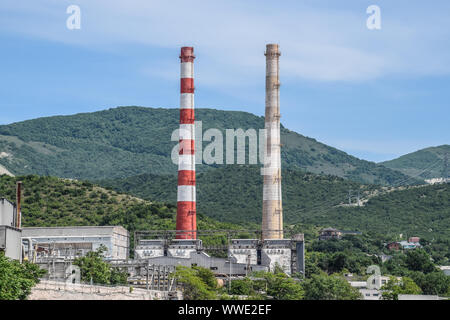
186 209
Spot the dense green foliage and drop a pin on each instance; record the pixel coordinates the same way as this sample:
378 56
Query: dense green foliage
281 287
394 287
129 141
198 283
94 269
329 287
425 164
435 283
415 211
418 265
17 279
234 194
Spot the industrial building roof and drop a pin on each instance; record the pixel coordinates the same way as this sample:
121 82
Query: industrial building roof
71 231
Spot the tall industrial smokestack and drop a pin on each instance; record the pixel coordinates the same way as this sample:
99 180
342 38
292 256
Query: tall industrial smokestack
272 222
186 209
18 204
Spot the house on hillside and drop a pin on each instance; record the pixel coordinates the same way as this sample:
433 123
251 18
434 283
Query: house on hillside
414 240
330 233
409 245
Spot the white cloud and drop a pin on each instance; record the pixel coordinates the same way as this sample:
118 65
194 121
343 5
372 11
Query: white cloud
320 44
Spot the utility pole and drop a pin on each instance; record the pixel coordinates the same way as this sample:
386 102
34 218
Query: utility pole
349 196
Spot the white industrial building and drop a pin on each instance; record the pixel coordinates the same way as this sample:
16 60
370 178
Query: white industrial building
70 242
244 255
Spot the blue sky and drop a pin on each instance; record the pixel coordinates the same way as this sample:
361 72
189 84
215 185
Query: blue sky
376 94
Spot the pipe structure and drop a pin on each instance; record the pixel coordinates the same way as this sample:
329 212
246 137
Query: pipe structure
18 204
272 220
186 224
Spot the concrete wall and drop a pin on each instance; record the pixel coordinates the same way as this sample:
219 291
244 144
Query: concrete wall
53 290
244 250
201 259
10 242
277 251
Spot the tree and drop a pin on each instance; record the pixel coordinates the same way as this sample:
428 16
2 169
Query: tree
94 268
394 287
16 279
207 276
242 287
118 277
436 283
419 260
333 287
281 287
194 285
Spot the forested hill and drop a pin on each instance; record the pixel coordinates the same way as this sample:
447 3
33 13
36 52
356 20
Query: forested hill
234 194
50 201
128 141
426 163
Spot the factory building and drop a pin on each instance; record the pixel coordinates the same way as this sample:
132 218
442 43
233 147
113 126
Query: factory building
70 242
246 255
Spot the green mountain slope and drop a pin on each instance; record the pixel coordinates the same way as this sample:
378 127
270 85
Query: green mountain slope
129 141
50 201
426 163
234 194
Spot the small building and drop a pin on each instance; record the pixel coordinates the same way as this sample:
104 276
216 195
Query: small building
330 233
409 245
371 289
70 242
414 239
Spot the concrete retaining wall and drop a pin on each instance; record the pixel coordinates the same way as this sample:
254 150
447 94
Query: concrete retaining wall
54 290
